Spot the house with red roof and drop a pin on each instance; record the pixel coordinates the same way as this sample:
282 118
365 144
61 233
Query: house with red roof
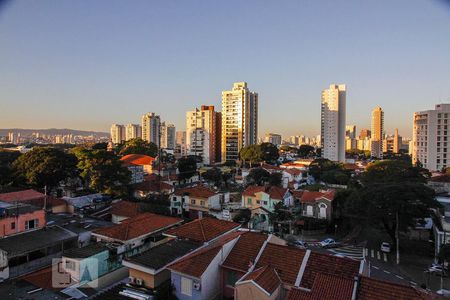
123 210
35 198
136 234
195 201
317 204
152 187
138 165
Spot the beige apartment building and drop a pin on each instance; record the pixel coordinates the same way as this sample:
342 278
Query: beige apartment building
117 133
151 128
333 106
133 131
376 142
239 120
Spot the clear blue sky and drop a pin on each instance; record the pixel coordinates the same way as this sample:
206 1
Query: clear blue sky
87 64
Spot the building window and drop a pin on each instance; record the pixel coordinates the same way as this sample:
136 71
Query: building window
31 224
186 286
193 201
202 203
249 201
13 225
70 265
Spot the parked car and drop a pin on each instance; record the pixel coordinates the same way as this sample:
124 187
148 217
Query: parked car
437 270
329 243
385 247
300 243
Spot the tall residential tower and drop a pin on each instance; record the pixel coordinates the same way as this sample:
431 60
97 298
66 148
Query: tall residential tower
376 142
333 122
151 128
239 120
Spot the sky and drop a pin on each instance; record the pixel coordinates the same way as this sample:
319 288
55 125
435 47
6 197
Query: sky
88 64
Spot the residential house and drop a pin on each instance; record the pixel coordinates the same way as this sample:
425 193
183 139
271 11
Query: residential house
19 217
37 199
440 184
194 201
136 234
86 202
147 187
88 263
30 251
149 269
204 230
317 204
139 160
122 210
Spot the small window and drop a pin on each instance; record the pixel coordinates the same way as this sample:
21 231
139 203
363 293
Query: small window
231 278
186 286
202 203
193 201
249 201
70 265
13 225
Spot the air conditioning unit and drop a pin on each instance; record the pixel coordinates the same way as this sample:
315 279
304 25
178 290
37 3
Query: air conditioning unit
197 286
132 279
139 281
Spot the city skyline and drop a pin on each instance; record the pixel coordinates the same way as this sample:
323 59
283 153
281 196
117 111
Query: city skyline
66 63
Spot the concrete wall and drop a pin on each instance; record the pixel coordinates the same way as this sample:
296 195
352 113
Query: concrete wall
19 222
176 282
151 281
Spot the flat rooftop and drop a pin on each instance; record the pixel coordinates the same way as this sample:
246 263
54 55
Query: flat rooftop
34 240
85 252
75 223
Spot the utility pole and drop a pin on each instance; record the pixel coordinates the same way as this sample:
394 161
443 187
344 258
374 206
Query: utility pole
397 238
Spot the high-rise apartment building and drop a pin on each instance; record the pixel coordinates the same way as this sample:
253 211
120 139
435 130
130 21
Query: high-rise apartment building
239 120
273 138
151 128
203 134
376 142
364 134
133 131
431 137
392 143
168 136
180 148
350 131
117 133
333 122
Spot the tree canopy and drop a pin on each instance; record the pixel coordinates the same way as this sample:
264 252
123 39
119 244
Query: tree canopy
7 159
269 152
187 167
45 166
213 175
330 172
250 154
305 151
103 171
138 146
258 176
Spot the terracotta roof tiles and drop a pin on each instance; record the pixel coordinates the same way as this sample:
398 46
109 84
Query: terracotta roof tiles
137 159
374 289
21 196
125 209
199 191
266 277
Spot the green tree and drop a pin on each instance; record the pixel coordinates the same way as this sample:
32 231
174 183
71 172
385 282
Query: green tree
187 167
45 166
138 146
269 152
327 171
275 179
258 176
280 213
213 175
100 146
250 154
243 216
305 151
7 158
102 171
388 171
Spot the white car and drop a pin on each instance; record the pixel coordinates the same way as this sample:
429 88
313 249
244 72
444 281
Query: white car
385 247
327 242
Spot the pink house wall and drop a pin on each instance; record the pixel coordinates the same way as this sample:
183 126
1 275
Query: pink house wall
5 223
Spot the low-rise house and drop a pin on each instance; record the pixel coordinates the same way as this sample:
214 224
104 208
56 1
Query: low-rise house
440 183
19 217
88 263
149 269
441 224
147 187
204 230
266 197
29 251
317 204
86 202
138 165
136 234
122 210
194 201
37 199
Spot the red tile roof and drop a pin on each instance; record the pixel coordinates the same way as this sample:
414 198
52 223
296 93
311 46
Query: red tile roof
275 192
266 277
309 196
139 225
374 289
325 287
203 230
293 171
245 251
41 278
153 186
297 194
345 268
137 159
285 259
198 191
197 262
253 189
21 196
125 209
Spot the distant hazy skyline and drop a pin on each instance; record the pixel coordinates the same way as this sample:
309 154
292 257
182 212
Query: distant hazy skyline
87 64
